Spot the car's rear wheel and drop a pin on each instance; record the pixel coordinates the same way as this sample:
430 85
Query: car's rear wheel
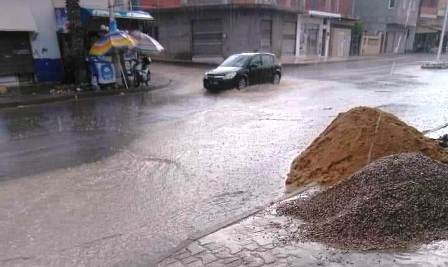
242 83
276 78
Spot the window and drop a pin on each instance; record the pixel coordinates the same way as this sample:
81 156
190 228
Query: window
119 5
267 60
391 3
328 5
338 4
266 35
256 60
235 61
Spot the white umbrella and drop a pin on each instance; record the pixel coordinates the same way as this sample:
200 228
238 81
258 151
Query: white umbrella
146 44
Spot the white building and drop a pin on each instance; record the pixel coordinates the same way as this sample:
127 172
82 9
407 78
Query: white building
29 48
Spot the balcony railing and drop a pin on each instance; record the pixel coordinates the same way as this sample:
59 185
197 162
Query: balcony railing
294 5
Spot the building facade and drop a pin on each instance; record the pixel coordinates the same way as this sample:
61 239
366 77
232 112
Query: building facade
94 16
429 26
192 29
29 49
394 21
34 35
325 28
195 29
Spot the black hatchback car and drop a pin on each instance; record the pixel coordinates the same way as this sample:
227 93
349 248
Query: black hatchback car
241 70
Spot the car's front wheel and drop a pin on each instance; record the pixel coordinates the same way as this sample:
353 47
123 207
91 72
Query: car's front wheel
276 78
242 83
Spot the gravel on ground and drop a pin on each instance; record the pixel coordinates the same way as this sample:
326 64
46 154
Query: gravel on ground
396 201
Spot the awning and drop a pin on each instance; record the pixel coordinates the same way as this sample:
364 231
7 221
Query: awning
139 15
324 14
16 16
423 30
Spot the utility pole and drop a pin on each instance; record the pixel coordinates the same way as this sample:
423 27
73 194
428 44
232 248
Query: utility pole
112 21
408 14
353 8
442 35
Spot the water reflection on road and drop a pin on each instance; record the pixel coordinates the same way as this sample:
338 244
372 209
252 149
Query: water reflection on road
120 180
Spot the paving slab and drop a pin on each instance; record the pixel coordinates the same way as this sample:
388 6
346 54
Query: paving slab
246 245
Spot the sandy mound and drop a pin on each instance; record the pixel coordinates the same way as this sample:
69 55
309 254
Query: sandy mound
353 140
394 202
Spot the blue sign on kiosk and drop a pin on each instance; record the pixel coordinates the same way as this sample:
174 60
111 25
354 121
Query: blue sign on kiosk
103 70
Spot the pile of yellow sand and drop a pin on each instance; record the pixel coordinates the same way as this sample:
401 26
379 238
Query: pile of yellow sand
354 139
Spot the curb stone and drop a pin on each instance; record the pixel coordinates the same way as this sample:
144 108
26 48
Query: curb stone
357 59
217 227
77 96
286 64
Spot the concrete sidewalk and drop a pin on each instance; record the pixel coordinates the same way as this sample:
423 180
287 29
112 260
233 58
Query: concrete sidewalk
267 239
33 98
314 60
286 61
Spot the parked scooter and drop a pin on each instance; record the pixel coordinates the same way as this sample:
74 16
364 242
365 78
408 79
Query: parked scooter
142 73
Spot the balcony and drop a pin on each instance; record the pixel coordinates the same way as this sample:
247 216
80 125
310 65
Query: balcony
290 5
428 12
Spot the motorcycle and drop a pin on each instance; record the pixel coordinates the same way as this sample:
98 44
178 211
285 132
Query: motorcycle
142 74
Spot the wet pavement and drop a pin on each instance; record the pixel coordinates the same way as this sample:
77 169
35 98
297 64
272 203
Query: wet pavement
268 239
121 180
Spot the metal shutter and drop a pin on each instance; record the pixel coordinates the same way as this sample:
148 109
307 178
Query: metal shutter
340 42
15 53
289 38
207 37
266 35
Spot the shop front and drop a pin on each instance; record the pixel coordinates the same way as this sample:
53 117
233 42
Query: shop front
94 19
426 39
341 37
311 36
16 59
17 27
95 23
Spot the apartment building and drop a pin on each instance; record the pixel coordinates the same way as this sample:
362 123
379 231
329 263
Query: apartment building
195 29
325 28
28 45
429 25
394 21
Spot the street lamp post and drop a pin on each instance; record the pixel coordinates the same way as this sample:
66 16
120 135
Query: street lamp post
442 35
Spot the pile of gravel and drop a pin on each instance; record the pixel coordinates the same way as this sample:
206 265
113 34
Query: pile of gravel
394 202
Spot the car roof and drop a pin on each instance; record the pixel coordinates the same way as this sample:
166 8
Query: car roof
256 53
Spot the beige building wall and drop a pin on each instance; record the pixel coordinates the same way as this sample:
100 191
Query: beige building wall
340 42
371 45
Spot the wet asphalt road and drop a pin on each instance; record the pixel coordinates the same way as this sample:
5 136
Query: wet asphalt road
118 181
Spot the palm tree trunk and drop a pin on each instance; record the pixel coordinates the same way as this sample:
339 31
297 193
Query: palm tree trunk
77 40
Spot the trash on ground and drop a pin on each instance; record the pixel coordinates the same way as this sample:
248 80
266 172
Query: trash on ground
396 201
3 90
443 141
353 140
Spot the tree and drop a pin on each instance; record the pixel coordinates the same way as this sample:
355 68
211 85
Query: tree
357 31
76 53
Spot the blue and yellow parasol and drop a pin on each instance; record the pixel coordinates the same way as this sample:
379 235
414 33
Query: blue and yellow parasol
115 39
